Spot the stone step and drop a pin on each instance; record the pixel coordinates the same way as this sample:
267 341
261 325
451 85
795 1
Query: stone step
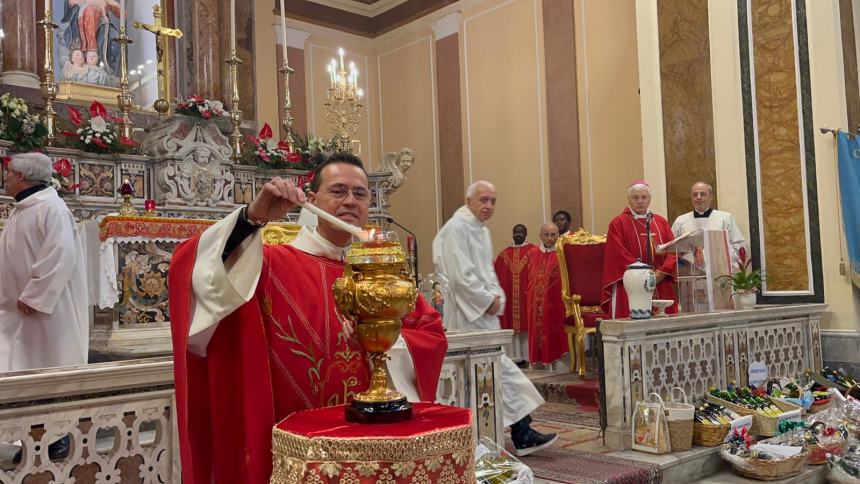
705 466
812 475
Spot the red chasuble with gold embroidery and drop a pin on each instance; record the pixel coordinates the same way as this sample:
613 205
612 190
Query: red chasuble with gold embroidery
283 351
511 269
625 243
547 341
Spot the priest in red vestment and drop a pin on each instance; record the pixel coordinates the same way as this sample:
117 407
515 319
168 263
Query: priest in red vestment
626 242
512 270
547 341
257 335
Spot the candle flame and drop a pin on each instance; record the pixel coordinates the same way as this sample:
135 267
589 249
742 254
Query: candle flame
371 234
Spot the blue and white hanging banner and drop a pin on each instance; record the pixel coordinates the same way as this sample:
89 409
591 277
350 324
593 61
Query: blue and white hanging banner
849 188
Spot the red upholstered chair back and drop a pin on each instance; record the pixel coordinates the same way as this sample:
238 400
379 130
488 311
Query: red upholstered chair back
581 261
585 270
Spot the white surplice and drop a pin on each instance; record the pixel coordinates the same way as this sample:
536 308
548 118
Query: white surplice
42 264
718 220
221 287
463 252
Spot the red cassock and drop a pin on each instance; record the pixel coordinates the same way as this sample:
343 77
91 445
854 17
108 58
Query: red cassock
547 341
625 243
283 351
512 270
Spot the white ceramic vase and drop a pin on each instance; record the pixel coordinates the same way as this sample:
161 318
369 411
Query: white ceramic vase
639 282
744 300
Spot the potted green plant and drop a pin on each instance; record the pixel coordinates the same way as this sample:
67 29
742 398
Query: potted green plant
745 282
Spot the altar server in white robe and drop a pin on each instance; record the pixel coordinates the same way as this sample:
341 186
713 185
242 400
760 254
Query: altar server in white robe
463 252
43 296
705 217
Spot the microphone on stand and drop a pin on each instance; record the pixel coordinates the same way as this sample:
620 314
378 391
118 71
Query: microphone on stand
648 239
413 250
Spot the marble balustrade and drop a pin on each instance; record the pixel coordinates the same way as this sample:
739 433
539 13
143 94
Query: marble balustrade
120 416
697 351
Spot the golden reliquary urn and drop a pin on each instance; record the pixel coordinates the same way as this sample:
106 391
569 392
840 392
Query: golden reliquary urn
376 292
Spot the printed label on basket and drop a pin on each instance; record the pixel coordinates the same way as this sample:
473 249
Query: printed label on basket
792 416
757 373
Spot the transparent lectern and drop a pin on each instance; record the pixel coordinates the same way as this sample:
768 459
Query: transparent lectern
703 256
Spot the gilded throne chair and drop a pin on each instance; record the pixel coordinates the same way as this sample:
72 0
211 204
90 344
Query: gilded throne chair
580 257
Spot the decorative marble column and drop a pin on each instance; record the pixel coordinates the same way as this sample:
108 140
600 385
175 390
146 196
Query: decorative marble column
446 31
207 60
565 187
20 53
296 54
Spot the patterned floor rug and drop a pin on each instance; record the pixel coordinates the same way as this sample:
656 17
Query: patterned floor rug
567 413
573 466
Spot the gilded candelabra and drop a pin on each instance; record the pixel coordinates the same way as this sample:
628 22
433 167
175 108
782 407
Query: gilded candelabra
376 291
123 99
48 86
344 102
235 113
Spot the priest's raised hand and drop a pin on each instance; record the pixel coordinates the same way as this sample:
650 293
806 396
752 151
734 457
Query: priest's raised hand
277 197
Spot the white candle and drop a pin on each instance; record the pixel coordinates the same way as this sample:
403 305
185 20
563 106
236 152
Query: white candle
122 14
284 30
233 24
48 9
340 52
346 227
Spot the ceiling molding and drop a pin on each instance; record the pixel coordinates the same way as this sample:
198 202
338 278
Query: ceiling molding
368 8
403 12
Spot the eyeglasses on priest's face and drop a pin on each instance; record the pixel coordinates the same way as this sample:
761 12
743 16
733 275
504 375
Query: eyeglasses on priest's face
340 192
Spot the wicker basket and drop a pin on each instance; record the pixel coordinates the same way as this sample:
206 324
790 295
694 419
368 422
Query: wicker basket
706 435
769 470
817 378
819 405
762 424
679 415
818 453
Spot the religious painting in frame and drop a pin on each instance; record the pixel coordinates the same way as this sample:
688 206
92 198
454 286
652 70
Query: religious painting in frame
87 56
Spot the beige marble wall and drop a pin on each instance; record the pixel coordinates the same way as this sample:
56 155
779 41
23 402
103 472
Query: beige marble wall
780 179
688 119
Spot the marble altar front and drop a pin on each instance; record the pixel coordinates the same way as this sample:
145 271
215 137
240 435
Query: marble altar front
696 351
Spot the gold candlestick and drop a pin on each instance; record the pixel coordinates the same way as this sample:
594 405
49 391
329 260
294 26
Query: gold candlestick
287 118
123 99
235 113
48 86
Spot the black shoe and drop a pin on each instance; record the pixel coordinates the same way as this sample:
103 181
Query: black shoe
534 442
523 364
59 450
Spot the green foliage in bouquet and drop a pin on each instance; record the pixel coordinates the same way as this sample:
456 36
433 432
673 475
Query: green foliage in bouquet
746 279
312 149
17 125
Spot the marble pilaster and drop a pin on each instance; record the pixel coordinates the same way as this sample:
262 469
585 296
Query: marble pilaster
207 60
20 52
452 183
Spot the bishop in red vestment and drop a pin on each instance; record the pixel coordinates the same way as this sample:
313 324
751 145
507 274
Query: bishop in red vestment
547 341
257 335
626 242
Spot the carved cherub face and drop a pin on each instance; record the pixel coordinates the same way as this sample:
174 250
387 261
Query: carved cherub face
405 161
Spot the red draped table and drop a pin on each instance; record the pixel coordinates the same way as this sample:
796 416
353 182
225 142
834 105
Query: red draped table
321 446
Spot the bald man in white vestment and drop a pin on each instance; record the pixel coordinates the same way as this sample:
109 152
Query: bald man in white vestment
43 296
705 217
463 252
